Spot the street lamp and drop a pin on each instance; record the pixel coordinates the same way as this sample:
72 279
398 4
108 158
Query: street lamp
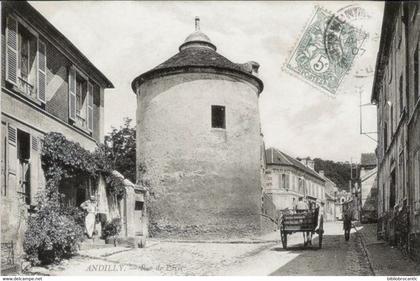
360 90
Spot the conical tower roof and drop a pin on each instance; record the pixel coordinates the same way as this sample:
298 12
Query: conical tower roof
198 54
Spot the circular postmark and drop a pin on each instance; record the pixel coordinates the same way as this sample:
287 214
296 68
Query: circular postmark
344 35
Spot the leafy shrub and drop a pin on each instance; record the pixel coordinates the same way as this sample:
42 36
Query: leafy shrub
112 228
53 232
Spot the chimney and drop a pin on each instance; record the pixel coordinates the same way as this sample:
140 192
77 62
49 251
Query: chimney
197 23
321 172
308 162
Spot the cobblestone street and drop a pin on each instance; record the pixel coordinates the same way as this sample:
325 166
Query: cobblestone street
259 257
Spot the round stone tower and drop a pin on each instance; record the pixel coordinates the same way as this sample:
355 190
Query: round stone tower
198 143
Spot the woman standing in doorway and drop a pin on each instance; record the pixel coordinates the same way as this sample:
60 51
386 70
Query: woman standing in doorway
90 206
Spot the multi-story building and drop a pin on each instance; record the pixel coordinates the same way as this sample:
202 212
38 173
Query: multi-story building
396 94
331 191
287 179
368 188
47 85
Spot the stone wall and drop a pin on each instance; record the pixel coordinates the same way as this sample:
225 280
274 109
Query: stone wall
205 181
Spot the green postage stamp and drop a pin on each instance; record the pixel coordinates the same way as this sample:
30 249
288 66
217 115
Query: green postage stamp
326 51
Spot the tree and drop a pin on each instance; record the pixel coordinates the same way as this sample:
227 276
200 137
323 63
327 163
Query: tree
120 149
338 172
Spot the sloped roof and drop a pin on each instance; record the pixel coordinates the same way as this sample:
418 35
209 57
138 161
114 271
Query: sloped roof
276 157
369 174
198 57
199 53
368 159
41 23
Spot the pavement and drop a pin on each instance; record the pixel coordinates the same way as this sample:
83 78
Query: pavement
361 255
385 260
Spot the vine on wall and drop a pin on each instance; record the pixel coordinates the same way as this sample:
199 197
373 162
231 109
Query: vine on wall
62 158
55 229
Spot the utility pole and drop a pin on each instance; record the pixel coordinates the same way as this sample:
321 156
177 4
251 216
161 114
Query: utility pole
360 91
355 188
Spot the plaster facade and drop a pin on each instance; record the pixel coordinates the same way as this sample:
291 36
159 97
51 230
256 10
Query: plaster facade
35 104
287 179
396 94
204 181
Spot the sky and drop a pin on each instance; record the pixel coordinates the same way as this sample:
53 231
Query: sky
127 38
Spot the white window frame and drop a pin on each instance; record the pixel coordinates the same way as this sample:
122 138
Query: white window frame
34 33
85 77
20 21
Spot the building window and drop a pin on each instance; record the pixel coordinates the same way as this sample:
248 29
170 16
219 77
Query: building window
401 94
402 173
81 101
417 180
138 206
385 136
25 59
391 114
3 160
27 50
392 190
24 168
218 116
416 74
383 198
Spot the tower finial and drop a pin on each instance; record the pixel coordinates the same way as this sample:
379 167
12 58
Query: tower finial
197 23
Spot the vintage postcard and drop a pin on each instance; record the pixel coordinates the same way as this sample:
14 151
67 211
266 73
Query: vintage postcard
210 138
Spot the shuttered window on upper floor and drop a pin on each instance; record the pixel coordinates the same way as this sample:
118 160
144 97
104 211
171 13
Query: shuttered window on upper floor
81 92
26 59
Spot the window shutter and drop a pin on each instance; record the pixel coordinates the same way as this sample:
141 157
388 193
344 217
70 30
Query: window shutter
11 50
12 138
90 107
12 134
35 164
42 70
72 94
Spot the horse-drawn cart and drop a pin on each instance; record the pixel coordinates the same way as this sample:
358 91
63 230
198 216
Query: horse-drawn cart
300 222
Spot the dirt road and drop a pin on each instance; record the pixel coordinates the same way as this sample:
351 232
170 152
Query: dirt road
337 256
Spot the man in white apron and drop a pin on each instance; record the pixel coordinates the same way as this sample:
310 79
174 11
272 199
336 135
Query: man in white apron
90 207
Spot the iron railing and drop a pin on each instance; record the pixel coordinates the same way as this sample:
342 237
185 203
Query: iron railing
26 87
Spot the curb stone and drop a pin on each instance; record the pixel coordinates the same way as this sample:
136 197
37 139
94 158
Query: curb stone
365 249
219 241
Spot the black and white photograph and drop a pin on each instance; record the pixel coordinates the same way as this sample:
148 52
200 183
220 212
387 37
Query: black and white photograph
210 139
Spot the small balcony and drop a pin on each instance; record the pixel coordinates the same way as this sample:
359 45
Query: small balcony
26 87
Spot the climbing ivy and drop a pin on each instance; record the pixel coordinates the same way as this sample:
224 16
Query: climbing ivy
62 158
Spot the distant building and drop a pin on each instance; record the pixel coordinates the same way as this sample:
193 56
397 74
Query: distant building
368 188
199 139
396 93
331 191
343 197
287 179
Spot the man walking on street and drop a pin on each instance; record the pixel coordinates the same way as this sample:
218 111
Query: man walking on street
348 216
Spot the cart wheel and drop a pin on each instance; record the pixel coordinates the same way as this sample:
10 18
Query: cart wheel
321 231
320 239
284 240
